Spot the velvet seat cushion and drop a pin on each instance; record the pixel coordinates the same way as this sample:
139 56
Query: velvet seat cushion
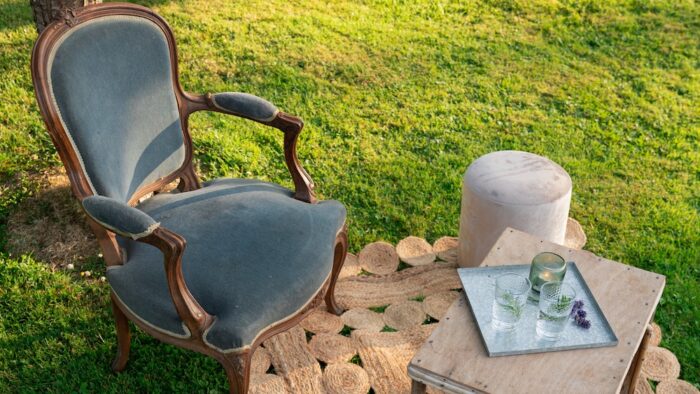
255 256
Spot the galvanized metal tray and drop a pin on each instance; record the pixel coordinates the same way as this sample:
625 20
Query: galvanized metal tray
479 287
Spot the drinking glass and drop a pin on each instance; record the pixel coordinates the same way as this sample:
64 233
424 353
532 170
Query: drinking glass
546 267
556 300
509 302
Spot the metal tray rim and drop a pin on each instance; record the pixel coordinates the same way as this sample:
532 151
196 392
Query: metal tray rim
593 304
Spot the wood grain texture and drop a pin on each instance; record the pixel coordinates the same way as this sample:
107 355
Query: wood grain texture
634 375
123 338
627 295
188 309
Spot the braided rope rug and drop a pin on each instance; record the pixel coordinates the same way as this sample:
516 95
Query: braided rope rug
387 318
392 297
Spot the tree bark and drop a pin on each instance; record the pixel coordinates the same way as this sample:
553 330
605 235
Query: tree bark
47 11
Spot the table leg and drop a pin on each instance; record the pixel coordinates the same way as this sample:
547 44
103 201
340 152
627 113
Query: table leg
636 369
417 387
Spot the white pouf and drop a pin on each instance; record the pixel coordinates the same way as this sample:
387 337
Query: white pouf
511 189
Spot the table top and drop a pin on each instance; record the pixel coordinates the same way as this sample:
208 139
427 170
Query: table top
455 358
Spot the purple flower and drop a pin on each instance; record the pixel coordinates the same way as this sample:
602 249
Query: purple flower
579 315
578 305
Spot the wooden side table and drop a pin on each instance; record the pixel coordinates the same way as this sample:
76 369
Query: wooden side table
454 358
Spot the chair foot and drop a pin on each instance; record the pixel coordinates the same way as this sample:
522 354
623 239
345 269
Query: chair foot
123 339
237 367
332 307
341 251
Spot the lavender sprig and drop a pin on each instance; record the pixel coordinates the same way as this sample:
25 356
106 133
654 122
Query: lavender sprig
578 305
579 315
583 323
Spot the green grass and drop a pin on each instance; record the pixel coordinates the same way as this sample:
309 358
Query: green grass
378 309
398 98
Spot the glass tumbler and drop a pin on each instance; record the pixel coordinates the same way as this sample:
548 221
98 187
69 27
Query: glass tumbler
546 267
509 302
556 300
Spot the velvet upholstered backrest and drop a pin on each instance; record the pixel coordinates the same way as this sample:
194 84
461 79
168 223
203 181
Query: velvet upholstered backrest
110 80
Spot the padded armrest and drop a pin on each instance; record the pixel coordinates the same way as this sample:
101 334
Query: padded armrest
245 105
119 217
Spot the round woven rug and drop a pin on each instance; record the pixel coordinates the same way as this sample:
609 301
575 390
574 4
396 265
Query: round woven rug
345 378
415 251
378 258
389 315
660 364
676 386
371 352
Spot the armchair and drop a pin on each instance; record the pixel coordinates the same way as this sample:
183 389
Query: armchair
216 267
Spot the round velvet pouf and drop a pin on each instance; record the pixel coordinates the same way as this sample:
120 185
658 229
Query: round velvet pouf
511 189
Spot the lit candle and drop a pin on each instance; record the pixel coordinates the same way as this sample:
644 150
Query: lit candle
546 276
546 267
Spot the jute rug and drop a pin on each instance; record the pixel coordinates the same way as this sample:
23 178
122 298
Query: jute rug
393 297
387 318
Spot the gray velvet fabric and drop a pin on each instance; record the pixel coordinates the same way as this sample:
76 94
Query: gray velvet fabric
254 256
119 217
112 83
246 105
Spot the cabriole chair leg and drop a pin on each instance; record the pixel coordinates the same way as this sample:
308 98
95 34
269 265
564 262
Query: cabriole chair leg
341 250
237 367
123 339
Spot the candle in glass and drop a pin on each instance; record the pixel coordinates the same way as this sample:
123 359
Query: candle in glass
546 267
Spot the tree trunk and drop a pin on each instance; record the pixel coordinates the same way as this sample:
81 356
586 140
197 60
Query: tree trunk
47 11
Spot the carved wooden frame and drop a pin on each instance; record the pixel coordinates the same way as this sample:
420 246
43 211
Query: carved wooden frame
172 245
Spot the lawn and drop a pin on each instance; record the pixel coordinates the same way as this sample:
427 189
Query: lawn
398 98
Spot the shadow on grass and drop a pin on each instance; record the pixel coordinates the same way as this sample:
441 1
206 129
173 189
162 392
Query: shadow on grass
50 225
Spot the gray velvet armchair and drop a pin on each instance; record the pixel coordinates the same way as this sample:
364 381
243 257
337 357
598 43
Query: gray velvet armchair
215 267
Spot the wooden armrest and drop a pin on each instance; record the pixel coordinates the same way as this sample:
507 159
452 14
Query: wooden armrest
290 125
188 309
